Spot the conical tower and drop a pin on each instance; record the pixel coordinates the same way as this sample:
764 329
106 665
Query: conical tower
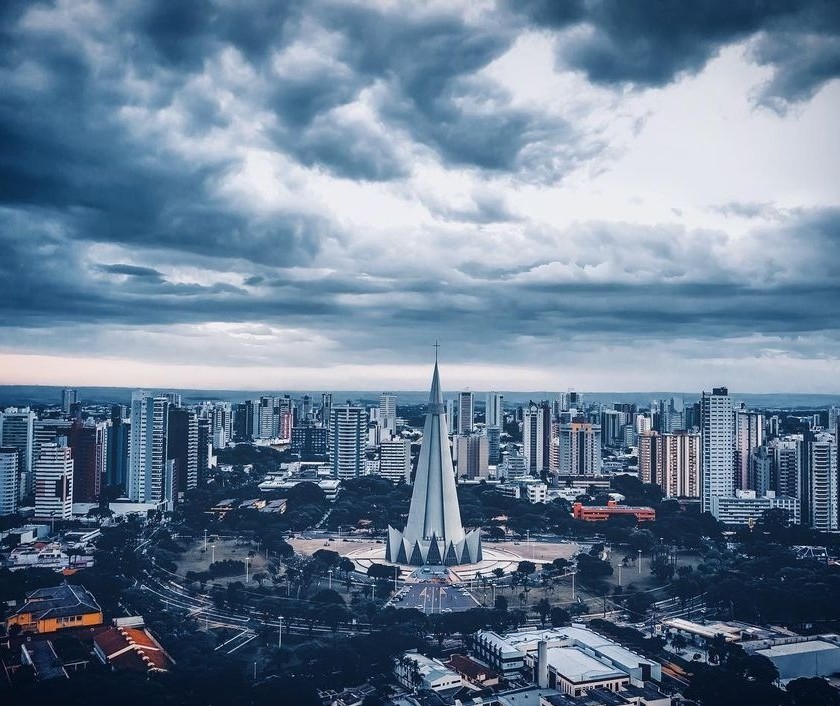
433 533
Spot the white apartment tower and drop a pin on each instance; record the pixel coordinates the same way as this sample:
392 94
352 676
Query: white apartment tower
147 449
718 446
9 479
17 430
823 496
494 411
395 460
54 482
348 430
388 413
533 441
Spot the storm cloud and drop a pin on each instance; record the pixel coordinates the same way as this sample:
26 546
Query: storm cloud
214 182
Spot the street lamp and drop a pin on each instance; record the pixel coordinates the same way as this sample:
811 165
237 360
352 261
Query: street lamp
640 562
205 540
213 547
280 634
329 576
247 565
619 573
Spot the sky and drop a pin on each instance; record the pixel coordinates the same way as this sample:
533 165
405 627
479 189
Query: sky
592 194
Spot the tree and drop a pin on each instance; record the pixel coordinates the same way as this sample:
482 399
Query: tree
495 533
543 608
259 577
662 568
559 617
526 568
812 692
560 564
501 603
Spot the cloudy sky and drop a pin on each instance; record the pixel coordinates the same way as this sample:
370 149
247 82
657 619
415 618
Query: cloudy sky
598 194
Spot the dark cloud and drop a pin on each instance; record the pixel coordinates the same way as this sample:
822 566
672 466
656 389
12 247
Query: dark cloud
131 270
651 43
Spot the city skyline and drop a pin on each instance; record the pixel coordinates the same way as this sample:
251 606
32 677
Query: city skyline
594 195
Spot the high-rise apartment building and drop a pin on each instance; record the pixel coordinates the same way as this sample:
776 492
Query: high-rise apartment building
68 399
579 447
466 412
388 414
473 454
88 444
718 446
119 430
54 482
17 426
348 429
9 479
494 415
749 435
326 408
395 460
786 476
494 445
680 454
182 447
536 436
823 496
650 457
147 455
612 427
205 449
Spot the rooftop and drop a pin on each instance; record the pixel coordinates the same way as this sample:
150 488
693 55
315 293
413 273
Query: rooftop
578 667
797 648
59 601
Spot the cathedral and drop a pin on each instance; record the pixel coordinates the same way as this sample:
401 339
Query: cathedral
433 533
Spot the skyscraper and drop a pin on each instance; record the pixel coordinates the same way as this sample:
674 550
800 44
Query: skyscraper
9 479
536 435
494 415
579 446
680 465
650 457
88 444
718 446
473 453
54 482
348 430
68 399
388 413
749 435
17 431
395 460
147 454
116 468
466 412
326 407
494 435
182 447
823 494
433 533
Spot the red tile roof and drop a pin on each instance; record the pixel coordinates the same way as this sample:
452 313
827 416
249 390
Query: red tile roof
132 648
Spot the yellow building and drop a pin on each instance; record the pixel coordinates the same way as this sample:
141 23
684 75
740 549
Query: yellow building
56 608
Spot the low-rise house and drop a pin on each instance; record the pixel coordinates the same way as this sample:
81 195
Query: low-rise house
50 609
416 671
